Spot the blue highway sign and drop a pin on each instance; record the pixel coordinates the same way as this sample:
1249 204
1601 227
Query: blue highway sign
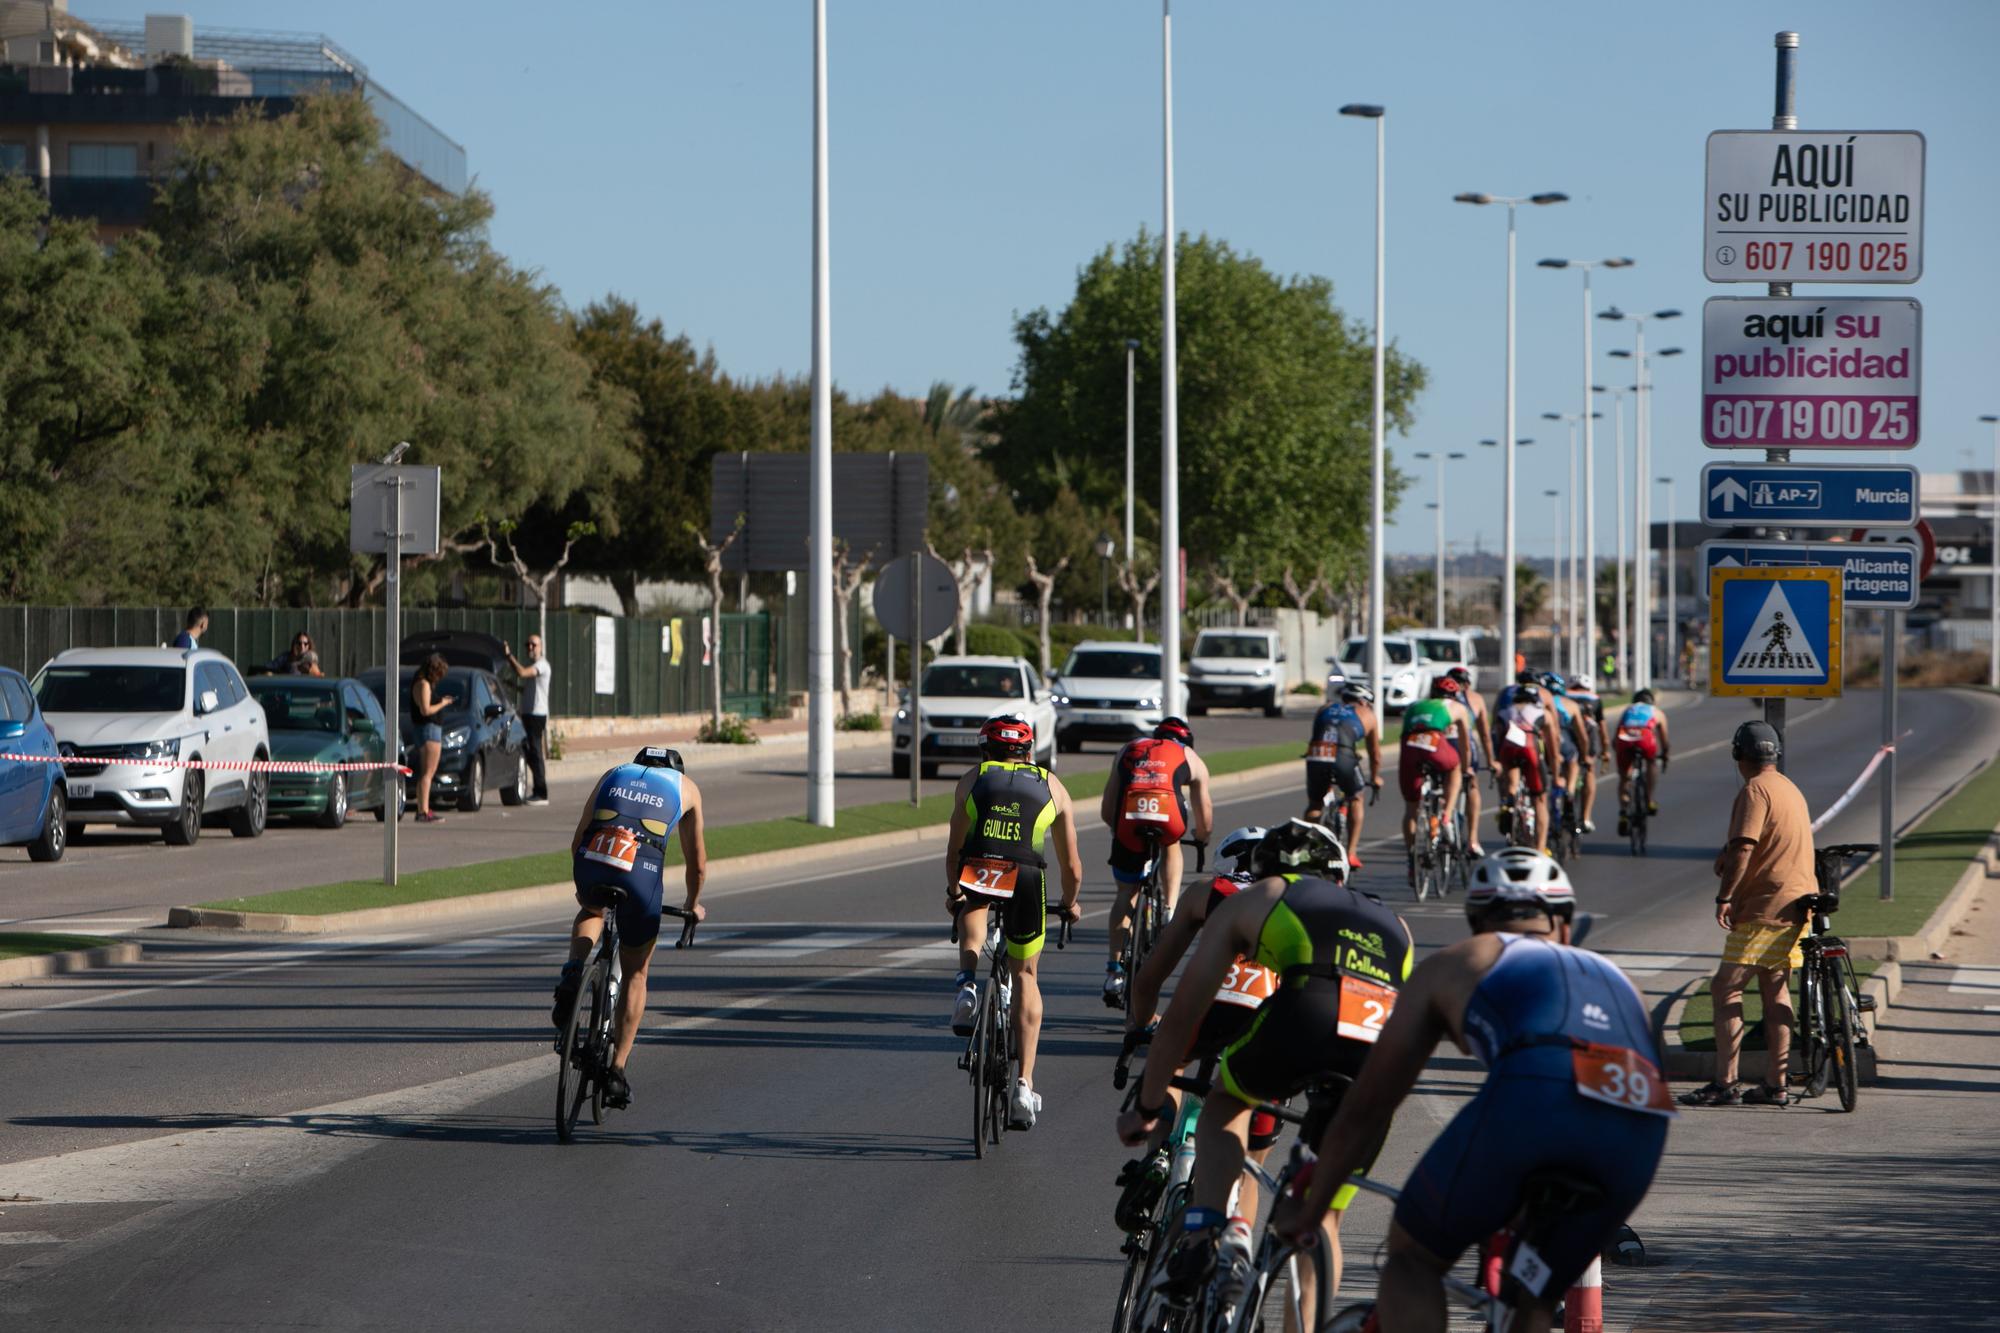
1876 576
1809 495
1775 632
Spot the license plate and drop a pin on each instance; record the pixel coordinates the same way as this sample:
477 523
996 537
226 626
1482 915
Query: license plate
1105 719
85 789
1225 689
955 740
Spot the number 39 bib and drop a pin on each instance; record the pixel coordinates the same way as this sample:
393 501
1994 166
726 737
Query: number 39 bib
1621 1077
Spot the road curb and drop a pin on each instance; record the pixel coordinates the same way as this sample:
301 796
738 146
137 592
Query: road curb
70 960
1953 910
557 895
1684 1065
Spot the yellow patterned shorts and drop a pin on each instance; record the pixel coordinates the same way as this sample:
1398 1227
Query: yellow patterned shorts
1764 944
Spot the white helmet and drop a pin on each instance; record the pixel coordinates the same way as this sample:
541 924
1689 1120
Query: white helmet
1240 845
1520 875
1584 683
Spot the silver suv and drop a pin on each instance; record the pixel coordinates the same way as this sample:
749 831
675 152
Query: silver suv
162 704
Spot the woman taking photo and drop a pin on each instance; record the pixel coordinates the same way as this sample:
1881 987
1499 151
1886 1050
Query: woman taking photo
426 710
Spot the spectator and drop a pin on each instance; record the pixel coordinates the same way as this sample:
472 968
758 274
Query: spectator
426 711
535 711
1766 868
298 660
195 626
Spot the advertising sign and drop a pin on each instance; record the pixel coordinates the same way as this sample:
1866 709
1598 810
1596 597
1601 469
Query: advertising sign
1829 206
1780 372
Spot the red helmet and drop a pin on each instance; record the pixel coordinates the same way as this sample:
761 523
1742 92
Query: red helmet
1006 736
1445 685
1174 729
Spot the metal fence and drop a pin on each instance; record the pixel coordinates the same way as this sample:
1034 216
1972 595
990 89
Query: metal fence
650 666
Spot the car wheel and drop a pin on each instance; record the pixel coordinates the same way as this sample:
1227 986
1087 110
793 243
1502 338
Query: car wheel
522 787
899 765
248 819
1274 706
930 770
186 825
54 838
1197 710
335 813
393 796
472 794
1065 744
1048 760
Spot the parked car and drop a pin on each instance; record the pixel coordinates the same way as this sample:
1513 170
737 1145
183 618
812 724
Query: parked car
1405 675
485 742
1443 649
33 794
959 694
330 721
1107 691
1236 668
158 704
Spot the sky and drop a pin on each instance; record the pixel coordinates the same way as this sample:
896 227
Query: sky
981 153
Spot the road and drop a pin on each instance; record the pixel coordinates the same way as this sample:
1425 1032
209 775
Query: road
355 1133
114 881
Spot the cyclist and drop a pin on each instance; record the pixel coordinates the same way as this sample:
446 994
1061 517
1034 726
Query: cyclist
1481 757
1573 1084
1525 748
1339 956
1001 814
1247 986
1571 730
1333 757
1641 734
1436 731
1158 786
1583 693
621 842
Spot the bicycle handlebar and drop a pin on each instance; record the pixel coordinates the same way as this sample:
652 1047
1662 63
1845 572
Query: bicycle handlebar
689 921
962 906
1200 852
1121 1069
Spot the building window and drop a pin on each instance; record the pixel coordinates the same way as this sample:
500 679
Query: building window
103 159
13 158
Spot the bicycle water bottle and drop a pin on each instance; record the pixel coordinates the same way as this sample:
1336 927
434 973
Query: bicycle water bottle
1184 1158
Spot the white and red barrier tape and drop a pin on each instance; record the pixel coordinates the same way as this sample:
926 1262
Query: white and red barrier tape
227 765
1853 791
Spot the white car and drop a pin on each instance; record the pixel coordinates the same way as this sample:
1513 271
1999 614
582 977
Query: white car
958 695
156 704
1406 676
1236 668
1443 649
1107 691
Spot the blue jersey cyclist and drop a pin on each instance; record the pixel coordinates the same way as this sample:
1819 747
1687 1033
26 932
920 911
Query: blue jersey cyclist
1333 757
1573 1085
621 843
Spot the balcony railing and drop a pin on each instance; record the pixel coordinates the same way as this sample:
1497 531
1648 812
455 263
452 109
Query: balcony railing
113 200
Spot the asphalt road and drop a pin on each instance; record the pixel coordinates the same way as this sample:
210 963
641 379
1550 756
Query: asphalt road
356 1133
114 881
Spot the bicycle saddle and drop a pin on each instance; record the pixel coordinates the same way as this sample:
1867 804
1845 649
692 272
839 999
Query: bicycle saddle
1554 1190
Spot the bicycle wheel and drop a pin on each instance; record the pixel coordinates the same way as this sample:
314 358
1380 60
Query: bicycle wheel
1354 1319
1286 1293
576 1071
1138 1260
998 1067
1844 1019
977 1060
1814 1051
1642 795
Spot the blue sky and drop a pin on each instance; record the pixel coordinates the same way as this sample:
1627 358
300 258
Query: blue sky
982 152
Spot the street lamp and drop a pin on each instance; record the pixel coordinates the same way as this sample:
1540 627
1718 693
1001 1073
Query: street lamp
1376 575
1519 442
1105 546
1507 434
1642 665
1673 622
1569 595
1618 392
1993 559
1555 572
1589 453
1439 506
1131 347
1170 418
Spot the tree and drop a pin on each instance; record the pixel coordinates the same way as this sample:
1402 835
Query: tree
1226 587
848 571
1045 585
1302 595
538 584
969 569
711 564
1531 595
1275 404
1137 590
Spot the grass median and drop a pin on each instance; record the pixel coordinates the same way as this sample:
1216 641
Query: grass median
725 840
33 944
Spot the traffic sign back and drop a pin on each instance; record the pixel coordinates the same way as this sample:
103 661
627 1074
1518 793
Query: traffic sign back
1775 633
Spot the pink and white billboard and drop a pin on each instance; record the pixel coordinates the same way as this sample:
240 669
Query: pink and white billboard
1799 373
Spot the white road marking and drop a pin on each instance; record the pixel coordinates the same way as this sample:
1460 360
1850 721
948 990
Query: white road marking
795 947
1974 979
276 958
29 1238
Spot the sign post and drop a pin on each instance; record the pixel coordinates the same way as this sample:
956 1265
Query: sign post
916 599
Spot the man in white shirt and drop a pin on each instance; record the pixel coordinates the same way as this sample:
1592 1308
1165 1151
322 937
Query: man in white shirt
535 673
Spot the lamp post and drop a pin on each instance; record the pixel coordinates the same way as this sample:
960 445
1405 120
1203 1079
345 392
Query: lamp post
1623 657
1507 661
1555 570
1673 621
1589 454
1131 348
1439 506
820 613
1993 560
1507 433
1376 575
1569 578
1642 608
1105 546
1170 432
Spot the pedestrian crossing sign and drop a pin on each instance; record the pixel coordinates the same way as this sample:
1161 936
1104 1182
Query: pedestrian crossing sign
1774 632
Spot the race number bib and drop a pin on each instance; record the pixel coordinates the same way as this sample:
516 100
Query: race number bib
1149 807
1631 735
1516 736
1423 740
990 875
1364 1007
1621 1077
614 846
1248 984
1323 750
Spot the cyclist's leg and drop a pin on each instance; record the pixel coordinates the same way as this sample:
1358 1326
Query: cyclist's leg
1537 777
1478 762
1775 983
1027 932
634 961
971 936
1170 872
1411 1292
1448 763
1319 782
1128 871
584 932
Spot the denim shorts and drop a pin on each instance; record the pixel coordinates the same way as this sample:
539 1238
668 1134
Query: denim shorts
430 733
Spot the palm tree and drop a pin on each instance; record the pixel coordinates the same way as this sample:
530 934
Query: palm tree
1531 595
944 410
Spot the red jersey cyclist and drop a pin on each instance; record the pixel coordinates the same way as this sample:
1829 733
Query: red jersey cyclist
1641 734
1158 789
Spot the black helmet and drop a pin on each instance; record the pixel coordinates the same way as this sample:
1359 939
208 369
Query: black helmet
1642 696
659 756
1463 675
1756 741
1526 678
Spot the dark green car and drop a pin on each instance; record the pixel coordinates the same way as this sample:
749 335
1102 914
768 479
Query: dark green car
323 720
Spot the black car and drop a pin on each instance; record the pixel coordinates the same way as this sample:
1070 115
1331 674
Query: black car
485 743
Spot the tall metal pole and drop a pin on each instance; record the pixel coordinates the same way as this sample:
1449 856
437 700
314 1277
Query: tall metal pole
1508 648
1131 347
1642 572
1439 506
1170 489
1571 621
1589 496
1376 575
1624 549
916 676
819 653
1892 635
1784 116
1993 561
1673 622
392 684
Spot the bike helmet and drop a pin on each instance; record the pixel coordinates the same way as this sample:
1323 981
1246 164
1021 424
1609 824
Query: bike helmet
1757 741
1299 846
1642 696
1444 687
1174 729
659 756
1526 678
1354 692
1240 845
1583 683
1551 682
1008 736
1520 878
1463 675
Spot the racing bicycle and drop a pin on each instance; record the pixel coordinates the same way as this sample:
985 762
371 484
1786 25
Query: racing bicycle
1432 853
588 1037
989 1054
1830 1009
1641 804
1149 912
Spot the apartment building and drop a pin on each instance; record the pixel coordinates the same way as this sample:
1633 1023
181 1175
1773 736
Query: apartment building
90 109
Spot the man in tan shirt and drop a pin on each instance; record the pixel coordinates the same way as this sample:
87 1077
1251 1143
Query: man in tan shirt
1766 867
